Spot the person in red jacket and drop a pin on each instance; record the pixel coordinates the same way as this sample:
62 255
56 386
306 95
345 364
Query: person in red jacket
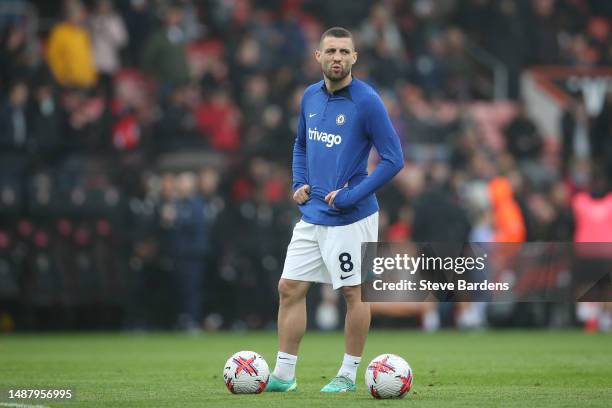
593 217
219 119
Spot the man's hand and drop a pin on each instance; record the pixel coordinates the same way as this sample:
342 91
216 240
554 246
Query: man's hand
302 194
329 199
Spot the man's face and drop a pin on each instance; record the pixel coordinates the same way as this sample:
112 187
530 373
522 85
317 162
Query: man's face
174 16
336 56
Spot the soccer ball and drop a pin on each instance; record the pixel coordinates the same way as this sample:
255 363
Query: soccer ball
246 372
388 376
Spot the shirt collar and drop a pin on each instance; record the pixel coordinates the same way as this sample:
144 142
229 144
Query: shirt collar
344 91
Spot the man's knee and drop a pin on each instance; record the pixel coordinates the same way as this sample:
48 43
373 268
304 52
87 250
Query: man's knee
352 294
292 290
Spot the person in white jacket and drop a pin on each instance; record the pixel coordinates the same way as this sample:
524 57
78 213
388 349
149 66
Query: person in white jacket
108 35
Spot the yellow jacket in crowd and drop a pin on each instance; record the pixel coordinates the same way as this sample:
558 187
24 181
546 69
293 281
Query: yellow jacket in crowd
70 56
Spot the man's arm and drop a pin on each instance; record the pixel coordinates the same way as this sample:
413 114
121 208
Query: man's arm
300 169
385 139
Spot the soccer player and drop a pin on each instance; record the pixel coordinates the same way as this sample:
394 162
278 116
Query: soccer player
341 118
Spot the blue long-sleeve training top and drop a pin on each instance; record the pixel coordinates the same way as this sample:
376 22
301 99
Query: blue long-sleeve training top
334 138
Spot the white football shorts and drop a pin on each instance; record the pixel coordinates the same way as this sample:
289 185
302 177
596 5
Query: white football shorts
329 254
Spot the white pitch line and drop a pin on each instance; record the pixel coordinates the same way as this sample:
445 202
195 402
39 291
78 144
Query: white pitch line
13 405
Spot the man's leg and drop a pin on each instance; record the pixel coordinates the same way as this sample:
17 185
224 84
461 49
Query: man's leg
342 254
303 265
356 326
291 314
291 328
357 322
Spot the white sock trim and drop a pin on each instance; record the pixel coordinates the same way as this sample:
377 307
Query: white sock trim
349 366
285 366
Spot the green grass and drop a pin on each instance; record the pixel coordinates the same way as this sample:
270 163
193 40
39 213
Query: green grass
493 369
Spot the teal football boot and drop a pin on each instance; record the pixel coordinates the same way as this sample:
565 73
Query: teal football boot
340 384
275 384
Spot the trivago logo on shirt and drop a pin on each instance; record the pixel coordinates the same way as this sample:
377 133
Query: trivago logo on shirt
328 138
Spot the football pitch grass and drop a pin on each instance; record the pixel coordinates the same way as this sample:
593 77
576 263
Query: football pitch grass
485 369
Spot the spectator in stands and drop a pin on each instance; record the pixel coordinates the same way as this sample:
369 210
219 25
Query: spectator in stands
69 51
593 214
576 143
573 15
13 119
190 246
108 36
175 129
208 188
165 56
166 212
380 27
219 119
293 42
13 56
139 21
191 25
561 228
437 215
248 59
602 142
580 53
507 28
475 17
89 123
460 72
431 67
523 140
45 121
254 97
400 230
483 227
269 139
383 46
543 34
508 219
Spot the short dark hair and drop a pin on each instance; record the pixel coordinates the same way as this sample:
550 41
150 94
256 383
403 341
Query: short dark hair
337 32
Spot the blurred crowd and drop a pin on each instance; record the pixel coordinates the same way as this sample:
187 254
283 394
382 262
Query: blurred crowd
145 145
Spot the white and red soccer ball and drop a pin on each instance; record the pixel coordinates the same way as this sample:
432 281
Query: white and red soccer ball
388 376
246 372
